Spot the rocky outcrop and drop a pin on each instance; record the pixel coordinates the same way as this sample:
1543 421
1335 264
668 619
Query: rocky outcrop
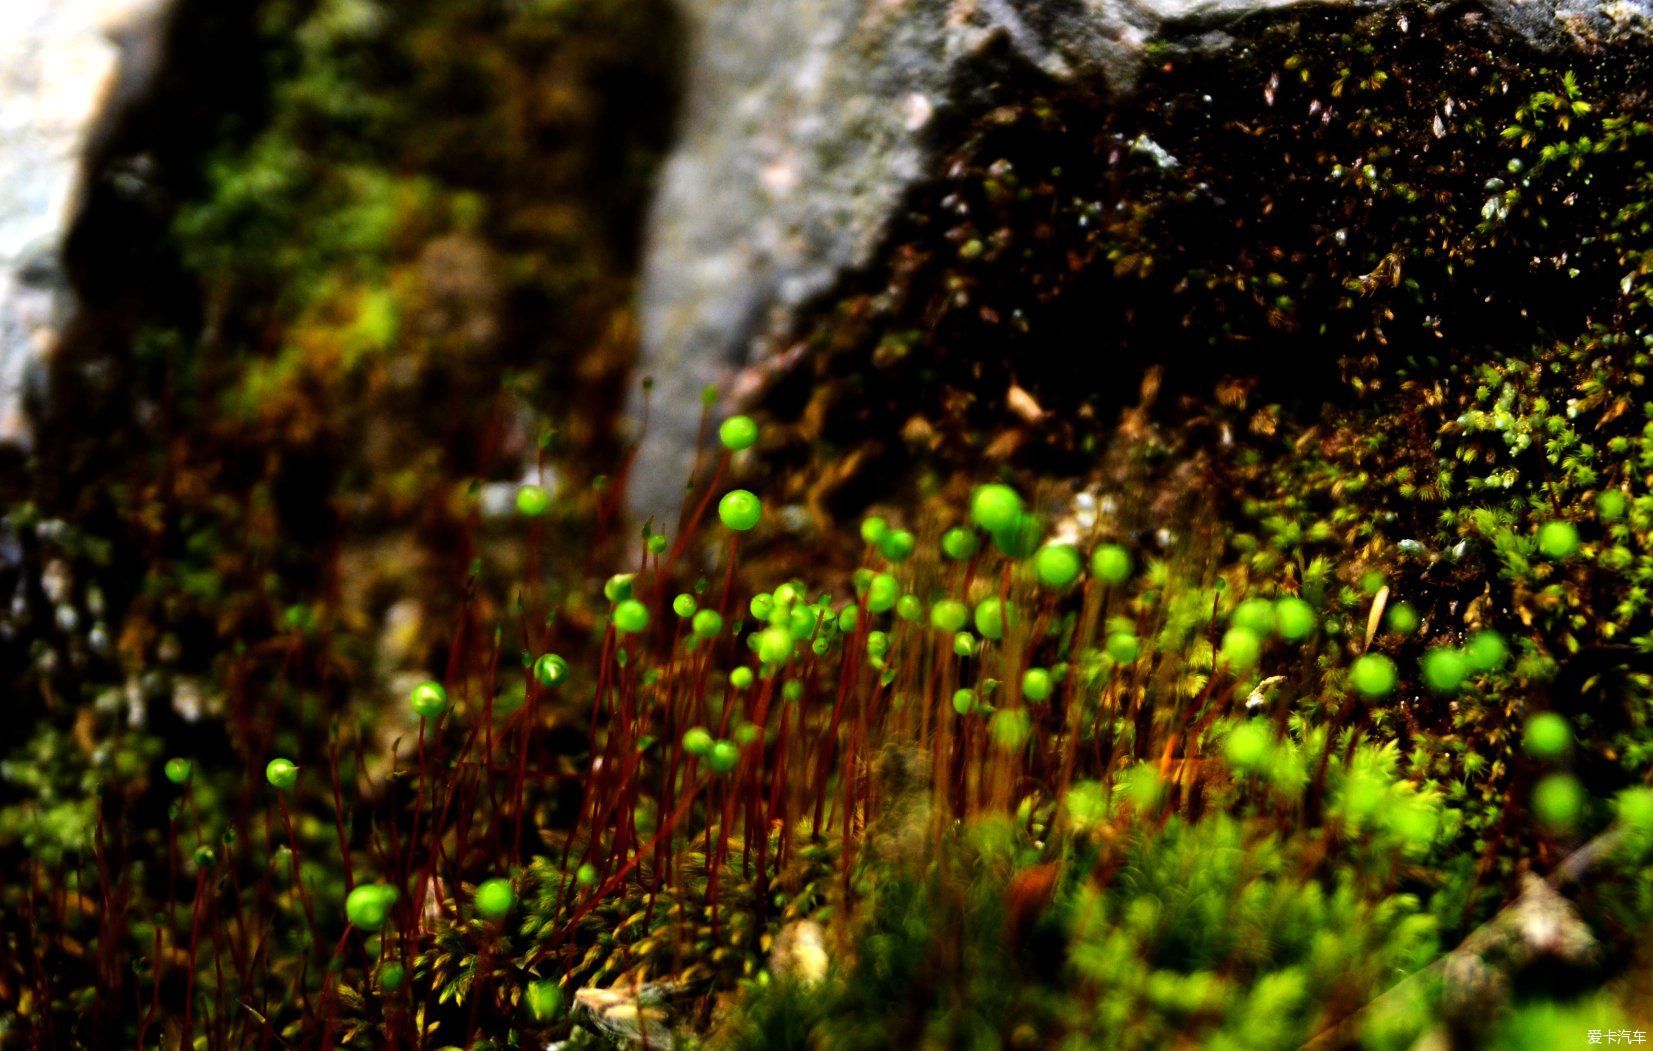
807 122
67 68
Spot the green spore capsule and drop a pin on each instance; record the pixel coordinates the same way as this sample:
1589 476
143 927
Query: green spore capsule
550 670
1111 564
630 617
960 544
949 615
1558 802
368 906
908 607
741 678
533 501
802 622
429 699
391 976
1444 669
848 618
205 857
1247 745
1124 647
495 899
740 510
873 529
586 875
964 701
684 605
543 1000
1402 619
1558 540
1373 675
1241 648
1486 651
745 734
897 545
1020 539
738 433
1256 615
1294 618
883 593
656 543
281 773
1611 505
697 741
723 757
992 617
178 771
618 587
706 623
994 507
1036 685
1634 807
774 645
761 606
965 644
1058 565
1548 736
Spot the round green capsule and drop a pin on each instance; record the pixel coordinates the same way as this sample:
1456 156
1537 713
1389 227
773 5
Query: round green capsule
1611 505
723 757
949 615
960 544
1403 619
1373 675
740 510
873 529
964 701
1036 685
883 593
741 678
909 608
706 623
1547 736
1558 802
1444 669
737 433
495 898
281 773
1241 648
391 976
550 670
965 644
429 699
178 771
684 606
1558 540
1111 564
697 741
533 501
1294 618
1486 651
1058 565
630 617
1256 615
1020 539
774 645
897 545
1124 647
618 587
543 1000
586 875
994 507
368 906
992 616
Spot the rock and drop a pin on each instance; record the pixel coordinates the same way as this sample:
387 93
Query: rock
67 68
806 123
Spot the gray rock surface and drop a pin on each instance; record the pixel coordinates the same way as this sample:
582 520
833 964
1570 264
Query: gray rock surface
806 121
66 66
